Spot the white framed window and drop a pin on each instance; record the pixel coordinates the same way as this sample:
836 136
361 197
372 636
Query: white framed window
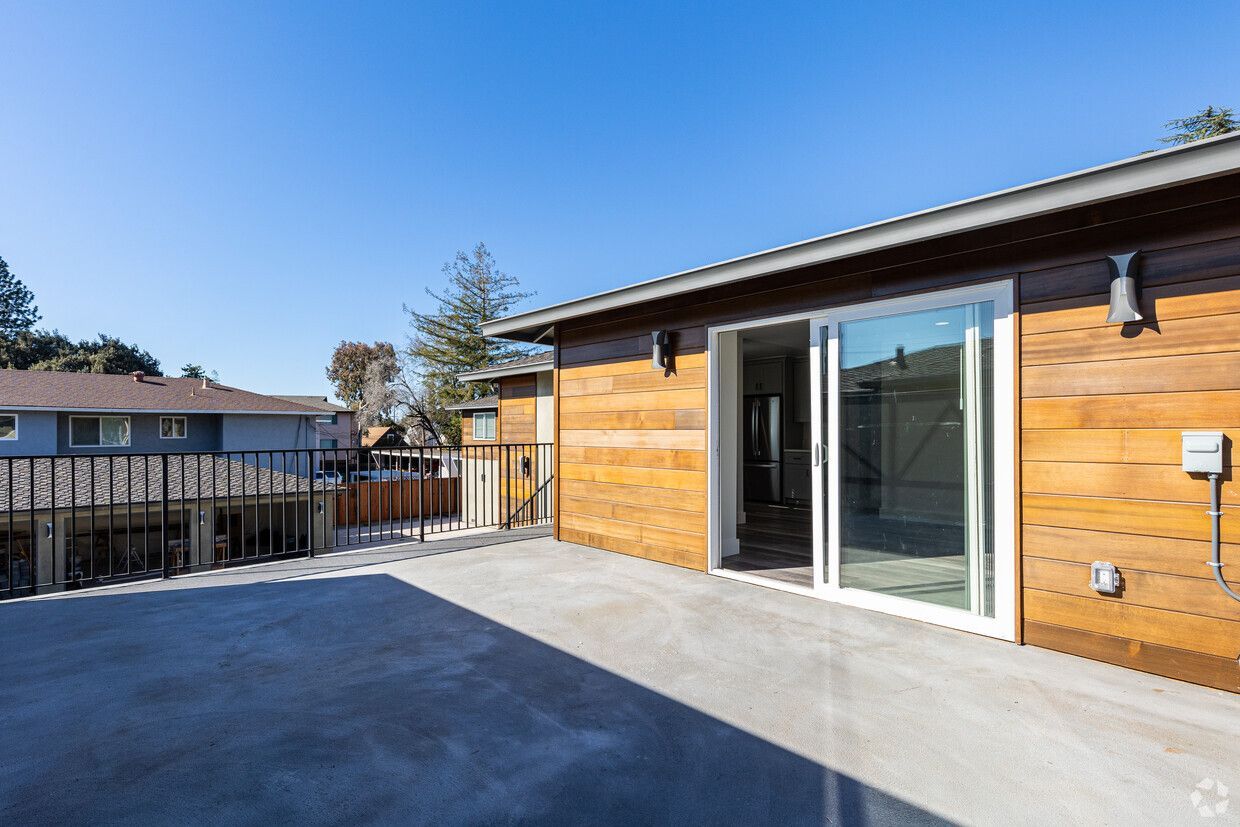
327 419
99 431
484 424
172 427
8 427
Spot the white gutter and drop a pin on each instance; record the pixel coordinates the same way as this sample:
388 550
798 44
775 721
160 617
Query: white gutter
1141 173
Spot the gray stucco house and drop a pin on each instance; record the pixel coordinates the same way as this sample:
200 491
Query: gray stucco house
44 413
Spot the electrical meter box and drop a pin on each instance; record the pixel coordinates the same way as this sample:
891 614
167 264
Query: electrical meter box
1203 452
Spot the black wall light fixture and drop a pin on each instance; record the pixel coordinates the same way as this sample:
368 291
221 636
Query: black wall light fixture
1124 293
662 350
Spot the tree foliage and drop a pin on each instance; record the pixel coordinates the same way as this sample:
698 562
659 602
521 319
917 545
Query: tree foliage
449 340
191 370
1207 123
350 369
17 309
52 350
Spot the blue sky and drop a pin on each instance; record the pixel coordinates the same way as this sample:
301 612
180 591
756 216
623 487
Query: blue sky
243 185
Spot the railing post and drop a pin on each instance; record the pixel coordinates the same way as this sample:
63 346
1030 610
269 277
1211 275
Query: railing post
310 500
421 492
163 510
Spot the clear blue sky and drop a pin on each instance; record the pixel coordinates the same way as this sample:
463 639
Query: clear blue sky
243 185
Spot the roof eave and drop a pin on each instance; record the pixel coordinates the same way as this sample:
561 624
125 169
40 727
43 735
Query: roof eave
1130 176
500 371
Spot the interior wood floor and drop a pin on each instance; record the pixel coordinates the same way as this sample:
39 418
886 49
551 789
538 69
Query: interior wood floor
776 542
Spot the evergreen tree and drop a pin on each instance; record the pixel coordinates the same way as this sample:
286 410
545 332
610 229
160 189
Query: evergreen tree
449 341
1204 124
17 309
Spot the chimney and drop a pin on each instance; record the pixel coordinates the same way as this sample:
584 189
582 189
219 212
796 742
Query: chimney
138 376
900 360
206 383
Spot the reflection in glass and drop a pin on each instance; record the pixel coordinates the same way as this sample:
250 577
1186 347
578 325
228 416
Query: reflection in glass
916 412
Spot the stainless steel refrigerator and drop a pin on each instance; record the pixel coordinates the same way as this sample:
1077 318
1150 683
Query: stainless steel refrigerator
763 458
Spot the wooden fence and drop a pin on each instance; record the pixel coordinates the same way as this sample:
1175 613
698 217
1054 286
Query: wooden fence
392 500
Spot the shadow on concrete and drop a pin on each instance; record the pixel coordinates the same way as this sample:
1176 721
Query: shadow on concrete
361 699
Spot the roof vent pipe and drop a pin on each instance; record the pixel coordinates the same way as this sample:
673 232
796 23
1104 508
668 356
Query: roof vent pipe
138 376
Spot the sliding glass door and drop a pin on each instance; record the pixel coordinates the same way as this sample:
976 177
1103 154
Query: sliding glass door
913 429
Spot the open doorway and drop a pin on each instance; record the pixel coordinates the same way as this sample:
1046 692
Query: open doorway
770 534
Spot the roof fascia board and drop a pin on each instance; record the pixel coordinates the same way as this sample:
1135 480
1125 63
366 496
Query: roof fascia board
1130 176
501 370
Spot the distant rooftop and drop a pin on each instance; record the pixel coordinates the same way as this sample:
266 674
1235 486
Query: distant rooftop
533 363
64 391
480 404
321 403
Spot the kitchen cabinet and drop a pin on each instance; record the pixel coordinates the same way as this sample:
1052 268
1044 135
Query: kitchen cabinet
764 376
798 482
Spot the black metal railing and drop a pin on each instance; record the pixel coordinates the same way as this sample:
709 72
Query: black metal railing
89 519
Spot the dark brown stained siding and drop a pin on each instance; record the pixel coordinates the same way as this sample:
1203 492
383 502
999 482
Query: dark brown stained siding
1100 411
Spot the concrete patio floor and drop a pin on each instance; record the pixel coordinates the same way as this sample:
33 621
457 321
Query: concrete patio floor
541 681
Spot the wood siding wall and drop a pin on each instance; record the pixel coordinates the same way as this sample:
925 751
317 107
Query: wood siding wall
467 430
1103 408
1098 424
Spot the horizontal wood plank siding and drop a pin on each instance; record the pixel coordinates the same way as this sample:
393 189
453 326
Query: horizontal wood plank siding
632 443
1101 408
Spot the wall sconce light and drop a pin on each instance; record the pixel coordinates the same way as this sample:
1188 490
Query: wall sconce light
1124 293
202 518
662 350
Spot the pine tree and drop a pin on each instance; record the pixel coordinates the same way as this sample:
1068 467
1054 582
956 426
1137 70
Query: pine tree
449 341
17 310
1204 124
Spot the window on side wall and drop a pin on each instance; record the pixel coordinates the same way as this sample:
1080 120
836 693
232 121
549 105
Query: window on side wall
8 426
99 431
172 427
327 419
324 442
484 425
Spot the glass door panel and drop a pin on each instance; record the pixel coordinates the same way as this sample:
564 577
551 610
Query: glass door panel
914 400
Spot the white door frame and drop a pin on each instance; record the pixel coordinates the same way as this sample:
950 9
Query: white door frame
1003 624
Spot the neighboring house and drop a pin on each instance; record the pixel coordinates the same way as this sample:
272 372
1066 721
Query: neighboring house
974 431
333 425
54 413
520 416
382 436
85 475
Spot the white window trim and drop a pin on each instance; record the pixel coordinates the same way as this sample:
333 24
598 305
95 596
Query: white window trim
99 418
16 428
494 416
184 427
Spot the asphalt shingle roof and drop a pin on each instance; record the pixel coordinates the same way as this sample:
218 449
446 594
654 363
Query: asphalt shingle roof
65 391
139 479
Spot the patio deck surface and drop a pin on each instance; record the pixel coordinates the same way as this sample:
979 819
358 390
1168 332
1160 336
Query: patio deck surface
541 681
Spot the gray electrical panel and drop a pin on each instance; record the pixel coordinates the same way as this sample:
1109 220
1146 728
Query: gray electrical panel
1202 452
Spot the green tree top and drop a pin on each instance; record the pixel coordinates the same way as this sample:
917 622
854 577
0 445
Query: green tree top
449 340
1204 124
17 309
